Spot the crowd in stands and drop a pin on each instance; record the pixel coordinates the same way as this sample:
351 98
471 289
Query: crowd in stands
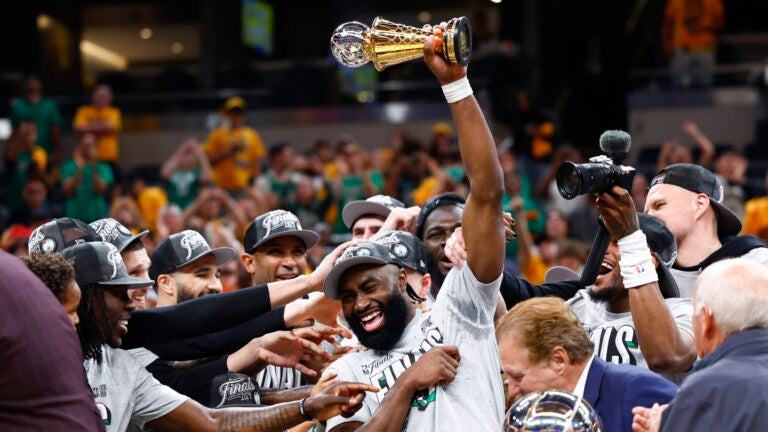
349 288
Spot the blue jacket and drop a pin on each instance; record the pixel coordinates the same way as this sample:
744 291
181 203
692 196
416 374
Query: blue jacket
614 389
728 390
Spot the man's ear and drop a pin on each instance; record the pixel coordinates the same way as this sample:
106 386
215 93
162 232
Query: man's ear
402 280
426 284
166 285
558 359
702 203
248 262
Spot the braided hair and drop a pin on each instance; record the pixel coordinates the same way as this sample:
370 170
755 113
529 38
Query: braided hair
89 329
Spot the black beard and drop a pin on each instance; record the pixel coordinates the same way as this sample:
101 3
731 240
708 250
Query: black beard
607 295
182 296
395 314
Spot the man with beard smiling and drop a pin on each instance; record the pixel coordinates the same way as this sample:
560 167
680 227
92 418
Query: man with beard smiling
431 367
126 394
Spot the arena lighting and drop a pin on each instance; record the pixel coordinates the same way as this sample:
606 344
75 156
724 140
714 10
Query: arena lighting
496 1
44 21
145 33
98 52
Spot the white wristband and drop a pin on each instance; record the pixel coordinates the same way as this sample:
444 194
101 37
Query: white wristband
457 90
636 262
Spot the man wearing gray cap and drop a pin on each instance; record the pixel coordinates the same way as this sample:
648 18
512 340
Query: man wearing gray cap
366 217
134 254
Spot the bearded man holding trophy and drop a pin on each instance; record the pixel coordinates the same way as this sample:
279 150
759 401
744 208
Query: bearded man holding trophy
436 370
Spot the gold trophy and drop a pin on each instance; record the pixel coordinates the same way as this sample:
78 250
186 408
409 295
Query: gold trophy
386 43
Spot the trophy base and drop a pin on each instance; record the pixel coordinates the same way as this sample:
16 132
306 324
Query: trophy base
458 41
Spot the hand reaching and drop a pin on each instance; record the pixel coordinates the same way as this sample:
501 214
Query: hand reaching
285 349
401 219
647 419
318 276
343 398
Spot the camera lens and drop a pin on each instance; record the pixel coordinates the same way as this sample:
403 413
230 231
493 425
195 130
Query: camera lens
568 180
574 180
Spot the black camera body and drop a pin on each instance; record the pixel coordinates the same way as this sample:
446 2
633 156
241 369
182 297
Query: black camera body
600 174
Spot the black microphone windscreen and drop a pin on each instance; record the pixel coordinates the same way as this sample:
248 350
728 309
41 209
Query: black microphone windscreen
615 142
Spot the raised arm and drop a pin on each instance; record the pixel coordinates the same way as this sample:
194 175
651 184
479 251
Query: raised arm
666 347
483 216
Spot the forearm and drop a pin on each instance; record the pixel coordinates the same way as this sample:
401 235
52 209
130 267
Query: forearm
272 397
666 348
283 292
392 411
483 217
99 185
196 317
69 186
222 342
275 418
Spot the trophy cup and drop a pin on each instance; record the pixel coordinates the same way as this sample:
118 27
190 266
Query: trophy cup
386 43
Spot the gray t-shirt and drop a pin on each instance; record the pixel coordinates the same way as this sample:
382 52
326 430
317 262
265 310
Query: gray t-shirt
143 356
687 278
614 334
462 316
125 393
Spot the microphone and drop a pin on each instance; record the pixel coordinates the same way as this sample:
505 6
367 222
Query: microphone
616 144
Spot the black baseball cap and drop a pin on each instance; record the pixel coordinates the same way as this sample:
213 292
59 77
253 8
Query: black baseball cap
698 179
182 248
378 205
406 247
100 263
60 233
277 223
234 389
445 199
112 231
363 253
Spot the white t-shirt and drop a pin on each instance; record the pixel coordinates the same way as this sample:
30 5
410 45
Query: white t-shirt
461 316
614 334
125 393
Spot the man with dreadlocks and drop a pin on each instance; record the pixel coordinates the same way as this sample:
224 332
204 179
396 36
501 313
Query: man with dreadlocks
127 394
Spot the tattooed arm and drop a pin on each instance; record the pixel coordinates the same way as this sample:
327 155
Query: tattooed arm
339 399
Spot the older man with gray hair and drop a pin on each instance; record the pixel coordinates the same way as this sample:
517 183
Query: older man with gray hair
729 387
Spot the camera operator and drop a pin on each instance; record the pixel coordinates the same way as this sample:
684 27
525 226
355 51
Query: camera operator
688 199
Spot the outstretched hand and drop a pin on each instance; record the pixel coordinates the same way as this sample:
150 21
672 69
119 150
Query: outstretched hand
343 398
286 349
